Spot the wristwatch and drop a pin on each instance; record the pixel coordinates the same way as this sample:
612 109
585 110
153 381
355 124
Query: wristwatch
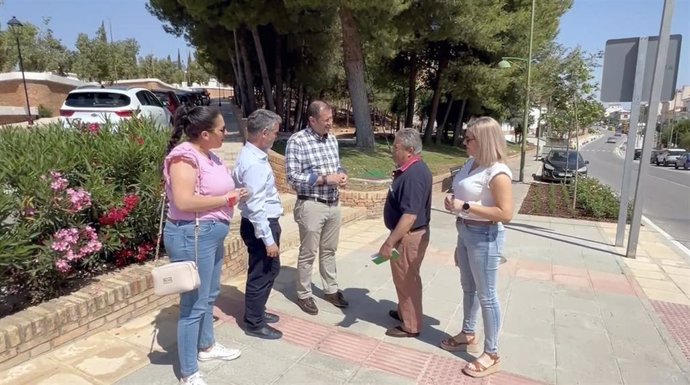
466 207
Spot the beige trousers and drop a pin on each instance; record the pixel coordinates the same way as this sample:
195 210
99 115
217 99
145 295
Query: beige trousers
406 278
319 232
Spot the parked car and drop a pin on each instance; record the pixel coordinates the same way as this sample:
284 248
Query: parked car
652 157
637 154
562 165
96 105
668 157
683 161
203 96
169 99
611 139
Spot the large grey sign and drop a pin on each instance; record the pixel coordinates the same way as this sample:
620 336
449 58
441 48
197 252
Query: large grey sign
620 61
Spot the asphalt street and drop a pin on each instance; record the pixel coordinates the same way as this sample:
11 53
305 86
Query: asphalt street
667 197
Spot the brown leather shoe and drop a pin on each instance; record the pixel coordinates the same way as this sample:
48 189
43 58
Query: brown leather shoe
308 306
400 333
337 299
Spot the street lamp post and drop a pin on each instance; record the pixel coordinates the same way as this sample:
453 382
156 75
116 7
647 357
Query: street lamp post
505 63
15 24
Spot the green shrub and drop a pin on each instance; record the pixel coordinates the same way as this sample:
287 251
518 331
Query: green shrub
44 112
75 203
598 200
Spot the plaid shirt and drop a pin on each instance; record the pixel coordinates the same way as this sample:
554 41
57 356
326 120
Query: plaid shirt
309 155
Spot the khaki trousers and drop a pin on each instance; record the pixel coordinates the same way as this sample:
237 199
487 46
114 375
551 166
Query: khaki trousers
408 283
319 232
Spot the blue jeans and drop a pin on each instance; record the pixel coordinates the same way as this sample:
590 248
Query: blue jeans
195 325
478 255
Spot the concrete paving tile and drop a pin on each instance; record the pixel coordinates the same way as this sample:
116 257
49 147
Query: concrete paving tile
641 265
302 374
336 367
665 285
539 364
533 275
253 368
112 363
663 295
598 366
685 272
570 270
682 282
578 320
566 300
156 331
366 376
652 352
634 373
39 370
65 377
573 281
648 274
152 375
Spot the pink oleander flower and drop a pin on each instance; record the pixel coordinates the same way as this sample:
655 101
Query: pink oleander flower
79 199
64 239
93 128
58 183
62 265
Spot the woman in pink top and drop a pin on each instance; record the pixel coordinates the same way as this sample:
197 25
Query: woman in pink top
202 194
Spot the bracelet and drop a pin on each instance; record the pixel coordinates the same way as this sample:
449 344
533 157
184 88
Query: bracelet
231 201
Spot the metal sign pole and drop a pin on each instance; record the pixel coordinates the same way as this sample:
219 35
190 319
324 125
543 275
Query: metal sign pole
632 136
657 80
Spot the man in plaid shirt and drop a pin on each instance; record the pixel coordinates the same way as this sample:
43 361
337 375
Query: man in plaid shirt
313 170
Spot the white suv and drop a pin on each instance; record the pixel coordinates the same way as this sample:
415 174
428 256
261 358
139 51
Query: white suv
96 105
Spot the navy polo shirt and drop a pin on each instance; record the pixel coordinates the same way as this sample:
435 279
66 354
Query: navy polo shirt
410 193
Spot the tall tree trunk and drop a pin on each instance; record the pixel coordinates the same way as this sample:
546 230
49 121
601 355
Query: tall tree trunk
448 107
298 109
354 69
288 105
458 124
279 75
442 64
240 78
411 91
248 76
268 94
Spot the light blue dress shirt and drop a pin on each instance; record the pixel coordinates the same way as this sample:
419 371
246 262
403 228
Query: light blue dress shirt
254 172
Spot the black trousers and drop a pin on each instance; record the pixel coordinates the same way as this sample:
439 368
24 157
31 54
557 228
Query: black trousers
262 272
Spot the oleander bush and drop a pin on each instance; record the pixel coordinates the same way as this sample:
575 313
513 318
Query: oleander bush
74 203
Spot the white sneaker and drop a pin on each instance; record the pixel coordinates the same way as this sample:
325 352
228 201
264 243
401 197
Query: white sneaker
194 379
219 352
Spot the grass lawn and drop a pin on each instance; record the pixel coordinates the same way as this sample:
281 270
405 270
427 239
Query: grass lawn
379 164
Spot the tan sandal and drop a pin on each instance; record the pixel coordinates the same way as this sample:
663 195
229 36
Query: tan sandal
453 345
477 369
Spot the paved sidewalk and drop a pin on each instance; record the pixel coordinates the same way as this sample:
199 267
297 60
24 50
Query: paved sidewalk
575 312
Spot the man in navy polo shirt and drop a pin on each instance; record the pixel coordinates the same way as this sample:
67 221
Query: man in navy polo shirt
406 214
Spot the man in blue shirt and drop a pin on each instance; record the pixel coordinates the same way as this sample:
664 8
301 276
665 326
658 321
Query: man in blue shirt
260 229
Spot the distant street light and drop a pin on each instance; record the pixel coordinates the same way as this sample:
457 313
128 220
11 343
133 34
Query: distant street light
505 63
219 98
14 25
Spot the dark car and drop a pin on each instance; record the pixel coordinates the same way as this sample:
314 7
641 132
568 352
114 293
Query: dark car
169 99
652 158
202 95
562 165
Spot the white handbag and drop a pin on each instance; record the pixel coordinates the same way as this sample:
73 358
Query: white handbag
176 277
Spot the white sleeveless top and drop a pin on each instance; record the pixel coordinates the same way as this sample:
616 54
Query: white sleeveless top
473 187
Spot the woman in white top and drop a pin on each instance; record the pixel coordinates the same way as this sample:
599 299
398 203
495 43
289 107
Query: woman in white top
482 199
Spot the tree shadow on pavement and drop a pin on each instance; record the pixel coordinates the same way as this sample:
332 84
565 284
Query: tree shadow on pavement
165 337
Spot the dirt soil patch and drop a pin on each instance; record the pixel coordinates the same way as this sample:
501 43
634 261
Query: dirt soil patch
554 200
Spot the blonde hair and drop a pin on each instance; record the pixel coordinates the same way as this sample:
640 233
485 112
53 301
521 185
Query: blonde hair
490 140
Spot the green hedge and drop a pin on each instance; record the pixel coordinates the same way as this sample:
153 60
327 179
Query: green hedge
75 203
598 200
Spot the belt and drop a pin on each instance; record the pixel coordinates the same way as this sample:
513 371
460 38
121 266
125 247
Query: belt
181 222
475 222
320 200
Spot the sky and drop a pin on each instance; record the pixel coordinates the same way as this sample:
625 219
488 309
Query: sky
589 23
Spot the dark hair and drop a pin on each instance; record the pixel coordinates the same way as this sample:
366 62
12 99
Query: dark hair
191 121
315 108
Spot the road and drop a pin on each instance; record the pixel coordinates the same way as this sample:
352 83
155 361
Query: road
667 198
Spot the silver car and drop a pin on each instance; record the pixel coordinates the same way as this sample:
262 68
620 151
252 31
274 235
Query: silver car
683 161
668 157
